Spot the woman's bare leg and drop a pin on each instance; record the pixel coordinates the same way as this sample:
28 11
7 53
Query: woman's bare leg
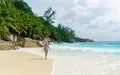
46 52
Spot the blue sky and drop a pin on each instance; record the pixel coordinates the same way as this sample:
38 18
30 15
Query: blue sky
95 19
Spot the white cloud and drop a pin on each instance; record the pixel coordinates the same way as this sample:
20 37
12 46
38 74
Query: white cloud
95 19
83 8
105 27
112 16
99 28
92 3
80 11
75 1
111 4
60 13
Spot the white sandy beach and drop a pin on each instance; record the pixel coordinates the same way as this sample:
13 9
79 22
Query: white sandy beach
23 63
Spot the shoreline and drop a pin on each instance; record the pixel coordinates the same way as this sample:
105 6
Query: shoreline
69 61
15 62
74 62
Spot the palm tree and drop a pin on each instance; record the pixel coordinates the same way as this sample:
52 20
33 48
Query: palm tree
49 15
4 30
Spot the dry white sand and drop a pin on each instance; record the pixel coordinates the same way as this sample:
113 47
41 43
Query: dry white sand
23 63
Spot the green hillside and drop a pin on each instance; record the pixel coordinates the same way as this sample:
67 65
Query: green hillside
17 18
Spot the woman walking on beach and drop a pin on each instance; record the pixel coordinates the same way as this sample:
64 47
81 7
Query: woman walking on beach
46 48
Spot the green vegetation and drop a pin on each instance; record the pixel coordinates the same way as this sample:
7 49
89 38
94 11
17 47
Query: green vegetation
17 18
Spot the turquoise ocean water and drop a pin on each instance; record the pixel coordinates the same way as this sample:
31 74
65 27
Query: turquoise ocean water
93 46
86 58
83 58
